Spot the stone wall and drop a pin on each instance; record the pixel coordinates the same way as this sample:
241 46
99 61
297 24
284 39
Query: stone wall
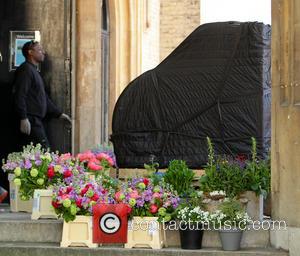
150 37
177 20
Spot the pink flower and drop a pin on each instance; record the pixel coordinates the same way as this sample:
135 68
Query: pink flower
134 194
119 196
156 195
65 157
65 196
94 167
101 156
85 156
110 161
153 208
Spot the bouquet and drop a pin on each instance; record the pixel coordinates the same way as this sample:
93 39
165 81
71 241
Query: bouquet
35 168
79 196
146 199
30 169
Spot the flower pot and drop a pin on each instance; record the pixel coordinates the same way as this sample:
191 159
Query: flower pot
145 232
42 207
16 204
191 236
254 206
231 239
78 232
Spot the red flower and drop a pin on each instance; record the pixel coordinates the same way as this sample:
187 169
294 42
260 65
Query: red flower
146 181
84 190
50 172
55 204
95 197
67 174
153 208
69 189
78 202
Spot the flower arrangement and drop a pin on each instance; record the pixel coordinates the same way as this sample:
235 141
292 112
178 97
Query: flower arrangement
230 215
97 162
146 199
30 169
35 168
79 196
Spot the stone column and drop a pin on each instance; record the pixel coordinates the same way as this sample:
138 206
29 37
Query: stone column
88 74
286 122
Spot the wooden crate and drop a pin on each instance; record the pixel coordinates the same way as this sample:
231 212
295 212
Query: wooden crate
42 207
145 232
16 204
78 232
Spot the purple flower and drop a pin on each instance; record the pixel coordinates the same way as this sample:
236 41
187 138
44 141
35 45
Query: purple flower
27 164
38 162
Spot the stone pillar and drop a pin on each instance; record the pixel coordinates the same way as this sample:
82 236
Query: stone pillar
286 122
88 74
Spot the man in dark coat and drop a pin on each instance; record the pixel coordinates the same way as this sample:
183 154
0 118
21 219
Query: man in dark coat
31 101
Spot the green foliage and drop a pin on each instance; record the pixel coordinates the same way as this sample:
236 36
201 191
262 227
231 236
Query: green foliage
222 174
152 172
230 215
230 208
235 177
180 177
258 173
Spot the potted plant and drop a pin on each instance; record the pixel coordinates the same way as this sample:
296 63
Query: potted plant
223 176
192 220
180 177
74 203
257 183
149 205
231 220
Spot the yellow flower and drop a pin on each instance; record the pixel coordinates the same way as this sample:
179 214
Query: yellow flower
34 172
17 171
40 181
17 182
57 168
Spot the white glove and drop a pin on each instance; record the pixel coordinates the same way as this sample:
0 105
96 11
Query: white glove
65 117
25 126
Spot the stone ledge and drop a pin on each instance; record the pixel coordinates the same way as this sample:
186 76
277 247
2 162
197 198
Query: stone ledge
50 249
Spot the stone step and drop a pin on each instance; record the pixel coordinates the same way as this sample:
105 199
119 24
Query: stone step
53 249
18 227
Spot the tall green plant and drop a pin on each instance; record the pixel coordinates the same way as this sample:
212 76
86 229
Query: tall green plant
222 174
180 177
258 173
